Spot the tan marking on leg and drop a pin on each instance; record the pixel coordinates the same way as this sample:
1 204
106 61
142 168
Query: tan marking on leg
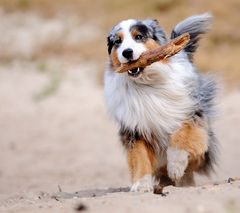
192 138
196 162
141 160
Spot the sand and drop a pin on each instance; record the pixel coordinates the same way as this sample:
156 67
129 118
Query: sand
67 142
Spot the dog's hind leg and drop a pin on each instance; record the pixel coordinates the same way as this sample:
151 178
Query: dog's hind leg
186 152
141 161
187 179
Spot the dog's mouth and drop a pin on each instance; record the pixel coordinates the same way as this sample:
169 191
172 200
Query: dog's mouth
135 72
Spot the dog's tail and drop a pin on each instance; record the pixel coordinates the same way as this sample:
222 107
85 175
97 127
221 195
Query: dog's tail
195 26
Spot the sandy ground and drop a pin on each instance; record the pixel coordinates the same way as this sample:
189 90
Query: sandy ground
67 140
55 135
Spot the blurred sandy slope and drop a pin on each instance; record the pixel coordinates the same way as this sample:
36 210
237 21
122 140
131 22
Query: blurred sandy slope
33 29
67 139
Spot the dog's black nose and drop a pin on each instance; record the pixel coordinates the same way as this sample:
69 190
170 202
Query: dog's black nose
128 53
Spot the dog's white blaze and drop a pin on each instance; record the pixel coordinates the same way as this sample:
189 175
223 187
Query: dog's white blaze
129 42
157 102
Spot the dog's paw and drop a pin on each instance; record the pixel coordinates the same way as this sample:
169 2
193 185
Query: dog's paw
177 161
145 184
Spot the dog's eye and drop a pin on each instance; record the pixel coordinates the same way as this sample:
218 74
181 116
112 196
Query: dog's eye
118 41
138 37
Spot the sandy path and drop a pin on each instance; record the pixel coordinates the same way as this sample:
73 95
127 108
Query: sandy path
67 139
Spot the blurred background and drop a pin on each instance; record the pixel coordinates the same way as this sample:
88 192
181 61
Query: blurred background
34 30
54 128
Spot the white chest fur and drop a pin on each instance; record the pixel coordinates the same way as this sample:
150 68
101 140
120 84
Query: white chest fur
157 103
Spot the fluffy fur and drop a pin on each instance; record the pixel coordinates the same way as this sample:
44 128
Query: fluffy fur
155 103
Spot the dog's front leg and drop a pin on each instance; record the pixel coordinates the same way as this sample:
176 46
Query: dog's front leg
186 151
141 161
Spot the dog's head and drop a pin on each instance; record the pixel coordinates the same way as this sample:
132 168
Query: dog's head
130 38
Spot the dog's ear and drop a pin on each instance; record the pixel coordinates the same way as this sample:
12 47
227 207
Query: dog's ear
156 31
110 43
195 26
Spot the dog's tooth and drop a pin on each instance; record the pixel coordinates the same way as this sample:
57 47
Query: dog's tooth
130 71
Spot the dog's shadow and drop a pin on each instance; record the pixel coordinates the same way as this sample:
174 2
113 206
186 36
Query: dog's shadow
89 193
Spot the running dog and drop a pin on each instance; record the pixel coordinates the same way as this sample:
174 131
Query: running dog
165 111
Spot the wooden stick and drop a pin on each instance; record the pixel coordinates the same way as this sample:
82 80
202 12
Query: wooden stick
160 53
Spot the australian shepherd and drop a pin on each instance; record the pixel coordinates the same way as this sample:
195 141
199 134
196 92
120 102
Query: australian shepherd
165 111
